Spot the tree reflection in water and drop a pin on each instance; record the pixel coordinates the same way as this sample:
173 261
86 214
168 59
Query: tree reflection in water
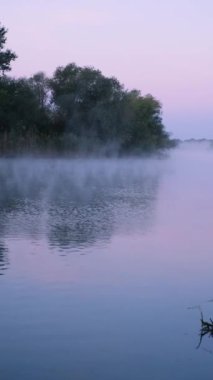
80 221
77 203
3 258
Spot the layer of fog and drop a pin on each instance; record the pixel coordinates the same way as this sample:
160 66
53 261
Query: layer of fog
77 202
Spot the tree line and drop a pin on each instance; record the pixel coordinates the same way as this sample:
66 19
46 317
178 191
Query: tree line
78 109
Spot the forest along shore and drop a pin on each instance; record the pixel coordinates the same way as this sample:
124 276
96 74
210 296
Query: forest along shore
77 110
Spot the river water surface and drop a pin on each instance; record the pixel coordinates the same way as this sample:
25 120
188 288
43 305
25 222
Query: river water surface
104 267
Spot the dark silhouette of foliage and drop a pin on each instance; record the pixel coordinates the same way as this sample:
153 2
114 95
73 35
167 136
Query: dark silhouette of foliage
78 109
6 56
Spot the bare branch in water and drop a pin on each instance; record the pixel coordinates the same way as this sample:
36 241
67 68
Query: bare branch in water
206 329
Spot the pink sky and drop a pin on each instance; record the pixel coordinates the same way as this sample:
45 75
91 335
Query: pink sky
162 47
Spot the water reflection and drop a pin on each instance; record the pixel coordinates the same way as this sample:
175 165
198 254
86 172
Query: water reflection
146 240
71 226
3 258
77 203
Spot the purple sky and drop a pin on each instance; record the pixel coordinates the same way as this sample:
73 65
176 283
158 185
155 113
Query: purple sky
162 47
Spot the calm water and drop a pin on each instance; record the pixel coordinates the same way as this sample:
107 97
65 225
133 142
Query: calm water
103 264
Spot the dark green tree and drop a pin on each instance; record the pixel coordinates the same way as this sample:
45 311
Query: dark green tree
6 56
24 122
78 109
88 102
145 130
39 84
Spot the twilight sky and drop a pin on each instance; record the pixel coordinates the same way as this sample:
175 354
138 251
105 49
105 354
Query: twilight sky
162 47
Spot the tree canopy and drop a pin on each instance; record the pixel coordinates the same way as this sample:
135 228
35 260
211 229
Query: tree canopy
6 56
77 109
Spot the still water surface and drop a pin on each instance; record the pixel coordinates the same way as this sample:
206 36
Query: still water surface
103 264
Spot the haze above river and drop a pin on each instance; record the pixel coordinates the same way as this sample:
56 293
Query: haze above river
105 265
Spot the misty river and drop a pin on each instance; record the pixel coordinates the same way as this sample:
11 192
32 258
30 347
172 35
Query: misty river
105 267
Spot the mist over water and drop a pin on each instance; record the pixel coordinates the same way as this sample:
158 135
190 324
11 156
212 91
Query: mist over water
103 264
75 203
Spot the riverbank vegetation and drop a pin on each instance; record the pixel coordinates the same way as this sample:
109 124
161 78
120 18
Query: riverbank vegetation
78 109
